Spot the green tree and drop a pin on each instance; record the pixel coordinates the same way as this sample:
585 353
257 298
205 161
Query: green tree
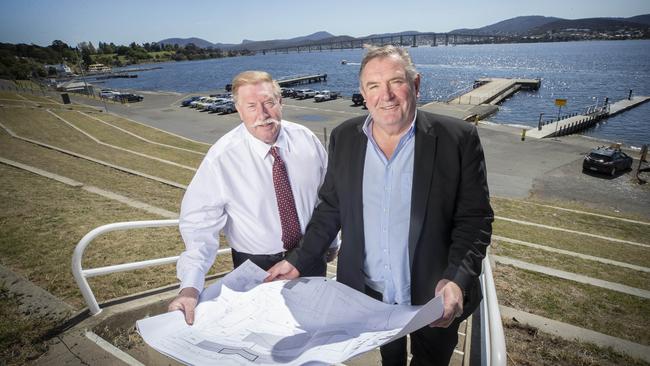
86 57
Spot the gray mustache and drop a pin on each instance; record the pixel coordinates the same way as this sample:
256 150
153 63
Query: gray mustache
266 122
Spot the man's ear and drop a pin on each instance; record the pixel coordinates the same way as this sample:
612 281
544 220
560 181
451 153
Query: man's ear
416 84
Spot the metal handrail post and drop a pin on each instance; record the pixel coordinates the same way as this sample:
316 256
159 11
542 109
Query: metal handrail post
493 348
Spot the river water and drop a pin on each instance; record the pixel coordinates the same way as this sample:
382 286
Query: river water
584 73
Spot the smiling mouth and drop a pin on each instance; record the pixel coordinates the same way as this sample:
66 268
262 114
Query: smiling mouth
389 107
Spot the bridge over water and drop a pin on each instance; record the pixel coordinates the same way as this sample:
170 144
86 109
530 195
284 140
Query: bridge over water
404 40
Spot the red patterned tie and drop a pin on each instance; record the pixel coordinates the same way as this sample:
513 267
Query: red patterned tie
291 233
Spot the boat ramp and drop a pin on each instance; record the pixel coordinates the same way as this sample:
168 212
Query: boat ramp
574 123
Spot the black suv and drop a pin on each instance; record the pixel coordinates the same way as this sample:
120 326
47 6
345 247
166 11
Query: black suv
358 99
128 98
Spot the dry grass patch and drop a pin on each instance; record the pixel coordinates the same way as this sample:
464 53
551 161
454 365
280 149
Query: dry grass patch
609 312
39 97
151 133
632 254
27 84
87 172
41 222
568 263
113 136
44 127
527 346
12 103
521 210
10 95
20 334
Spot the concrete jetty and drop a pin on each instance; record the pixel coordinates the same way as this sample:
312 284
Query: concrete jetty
307 79
494 90
572 124
482 100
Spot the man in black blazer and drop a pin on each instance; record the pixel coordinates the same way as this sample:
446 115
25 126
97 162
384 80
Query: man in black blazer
404 249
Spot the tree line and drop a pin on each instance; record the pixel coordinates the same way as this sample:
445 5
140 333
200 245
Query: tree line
26 61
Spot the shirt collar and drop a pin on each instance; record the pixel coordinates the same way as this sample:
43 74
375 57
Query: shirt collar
367 129
261 148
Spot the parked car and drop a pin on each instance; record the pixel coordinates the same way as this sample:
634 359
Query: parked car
108 93
606 160
129 98
288 92
305 93
358 99
186 102
325 95
204 104
221 95
214 107
195 103
227 107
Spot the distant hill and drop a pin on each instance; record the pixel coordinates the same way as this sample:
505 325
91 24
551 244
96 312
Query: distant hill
510 27
594 24
535 24
277 43
643 19
201 43
518 26
250 44
404 33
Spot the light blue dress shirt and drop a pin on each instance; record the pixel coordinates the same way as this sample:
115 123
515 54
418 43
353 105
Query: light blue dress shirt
386 216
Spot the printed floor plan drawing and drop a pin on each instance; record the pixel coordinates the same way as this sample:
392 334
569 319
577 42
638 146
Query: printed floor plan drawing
312 320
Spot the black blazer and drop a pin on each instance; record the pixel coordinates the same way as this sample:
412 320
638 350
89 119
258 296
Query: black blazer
451 217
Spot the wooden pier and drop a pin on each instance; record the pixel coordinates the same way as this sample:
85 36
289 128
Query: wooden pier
576 123
494 90
307 79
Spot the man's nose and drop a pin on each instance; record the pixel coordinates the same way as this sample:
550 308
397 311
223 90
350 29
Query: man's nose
386 93
263 112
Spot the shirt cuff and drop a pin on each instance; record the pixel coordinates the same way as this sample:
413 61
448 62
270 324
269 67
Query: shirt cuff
335 242
193 278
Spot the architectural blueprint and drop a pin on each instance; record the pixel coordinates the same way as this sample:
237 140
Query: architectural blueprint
310 320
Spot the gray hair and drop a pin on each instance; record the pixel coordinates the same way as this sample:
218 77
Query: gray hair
387 51
254 77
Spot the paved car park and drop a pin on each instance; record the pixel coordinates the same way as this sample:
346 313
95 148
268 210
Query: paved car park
545 168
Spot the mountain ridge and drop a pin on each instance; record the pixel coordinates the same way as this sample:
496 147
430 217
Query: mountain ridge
518 26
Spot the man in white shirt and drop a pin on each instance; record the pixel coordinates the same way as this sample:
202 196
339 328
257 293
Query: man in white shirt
233 190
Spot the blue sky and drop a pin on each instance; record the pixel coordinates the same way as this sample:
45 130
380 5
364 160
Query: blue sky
231 21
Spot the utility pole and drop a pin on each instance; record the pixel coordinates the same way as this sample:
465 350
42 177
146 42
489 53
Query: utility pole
83 77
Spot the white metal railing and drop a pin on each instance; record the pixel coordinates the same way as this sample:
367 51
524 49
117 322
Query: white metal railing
81 274
493 342
493 345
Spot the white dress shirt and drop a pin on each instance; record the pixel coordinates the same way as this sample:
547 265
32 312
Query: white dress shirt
233 190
